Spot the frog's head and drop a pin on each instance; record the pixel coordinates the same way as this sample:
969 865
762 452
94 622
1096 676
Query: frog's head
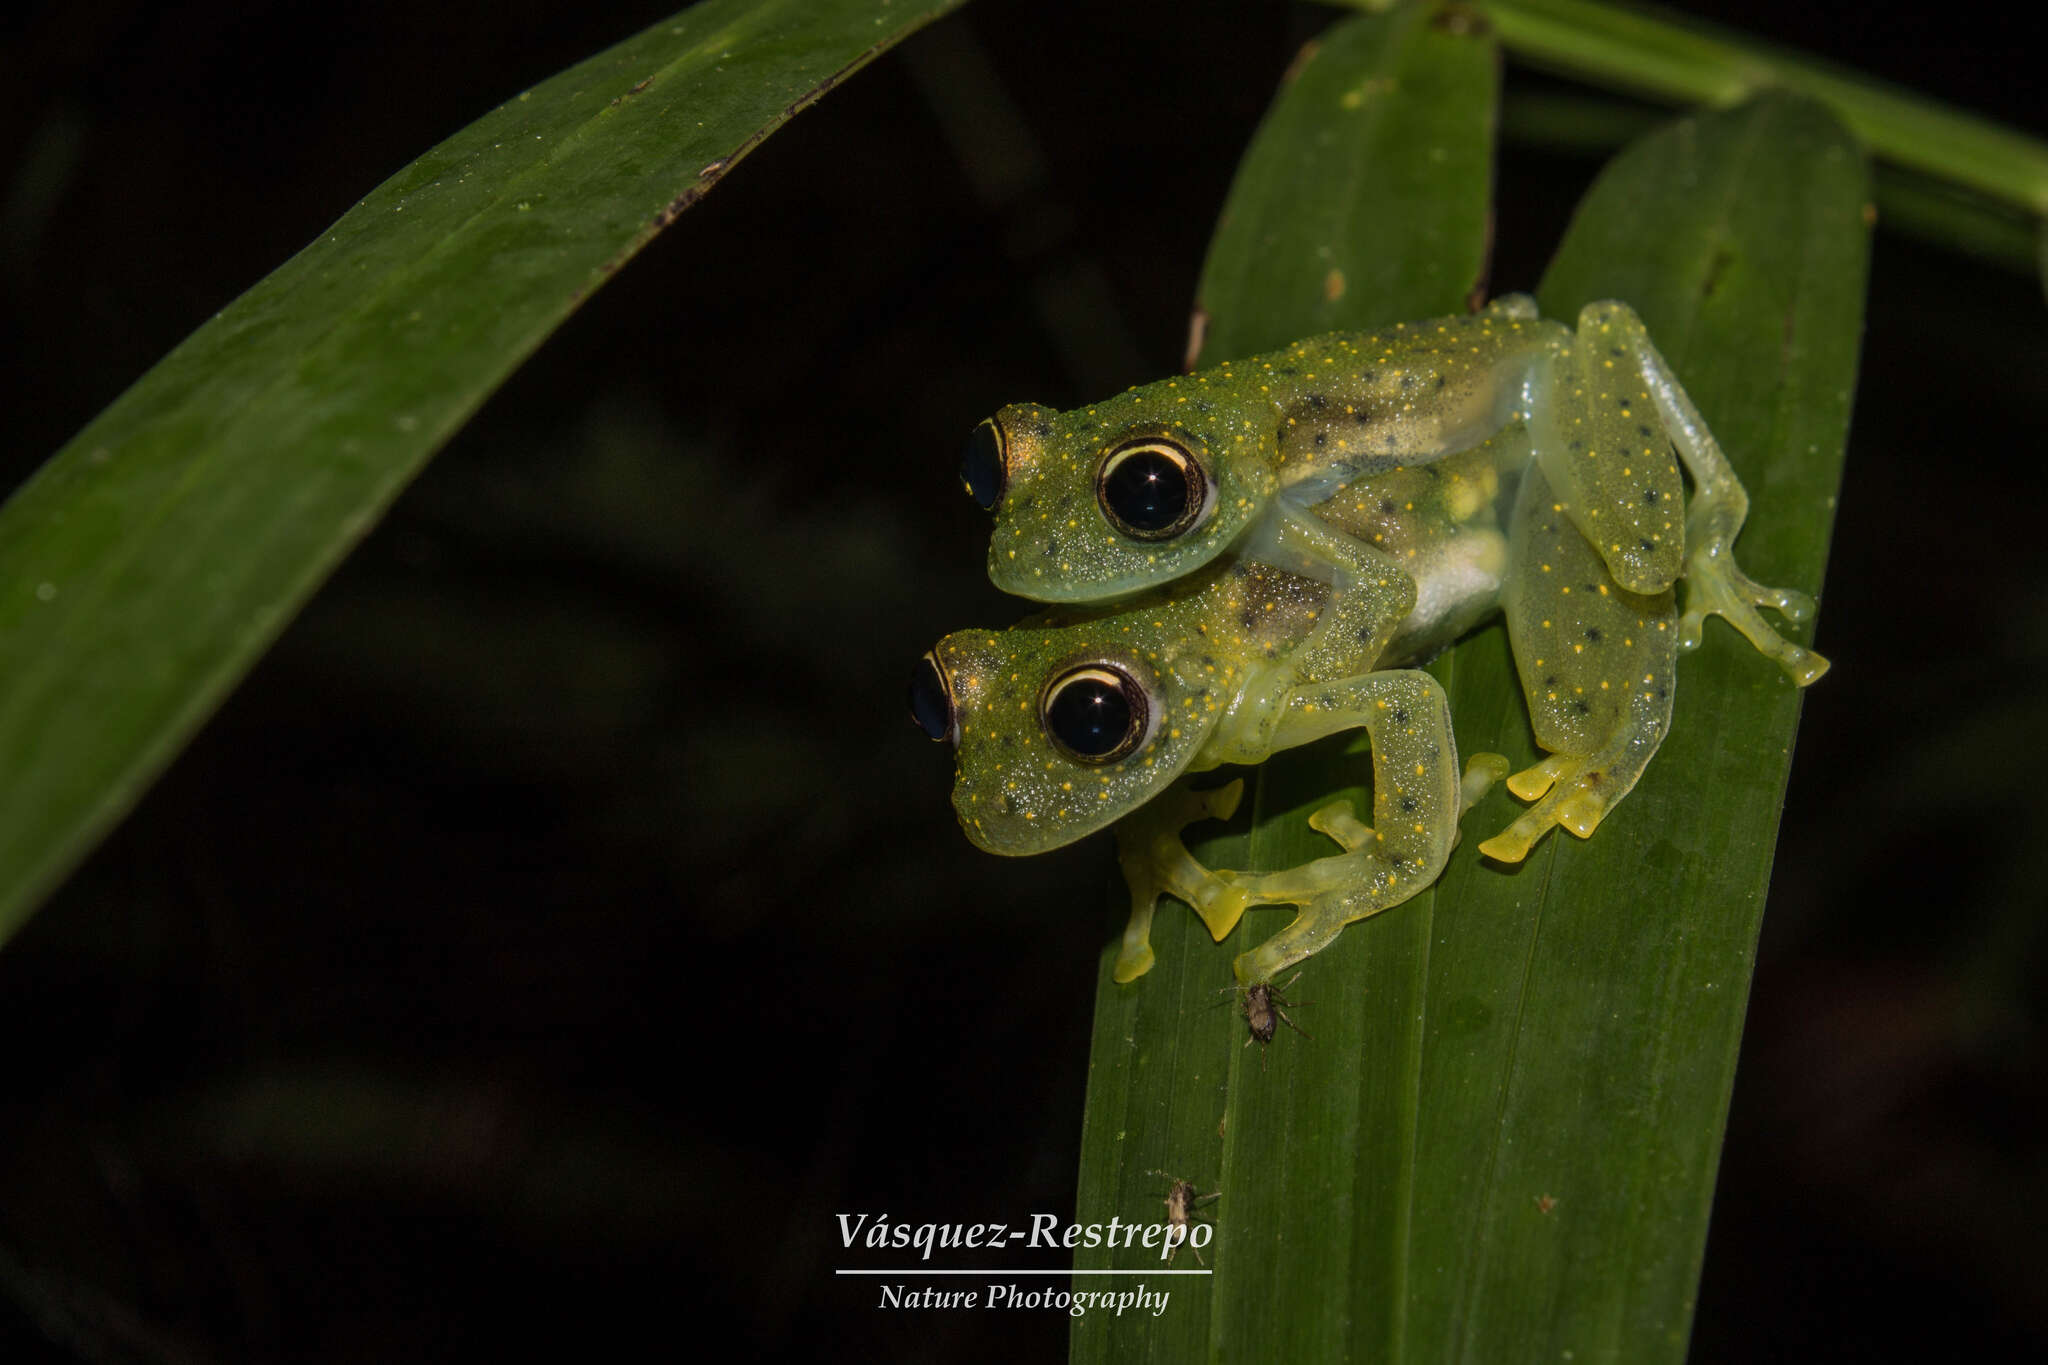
1137 491
1056 732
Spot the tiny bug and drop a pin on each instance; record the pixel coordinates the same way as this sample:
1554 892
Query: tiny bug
1181 1202
1264 1012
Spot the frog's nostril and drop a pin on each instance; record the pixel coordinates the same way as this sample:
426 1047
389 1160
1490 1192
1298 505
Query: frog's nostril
983 465
931 701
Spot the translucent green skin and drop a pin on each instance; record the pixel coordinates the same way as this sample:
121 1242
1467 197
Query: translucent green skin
1368 472
1235 661
1278 436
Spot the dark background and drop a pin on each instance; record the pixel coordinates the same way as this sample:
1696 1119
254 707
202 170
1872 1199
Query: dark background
562 923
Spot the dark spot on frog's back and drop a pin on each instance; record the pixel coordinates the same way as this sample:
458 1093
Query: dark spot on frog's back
1593 634
1387 506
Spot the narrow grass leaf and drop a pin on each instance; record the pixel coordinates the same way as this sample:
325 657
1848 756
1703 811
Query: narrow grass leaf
1362 201
144 568
1501 1142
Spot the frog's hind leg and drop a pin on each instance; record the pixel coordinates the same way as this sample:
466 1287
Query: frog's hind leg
1598 666
1418 794
1156 863
1715 585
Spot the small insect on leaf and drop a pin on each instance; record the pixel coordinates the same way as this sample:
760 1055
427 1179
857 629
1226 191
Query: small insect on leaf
1181 1202
1264 1011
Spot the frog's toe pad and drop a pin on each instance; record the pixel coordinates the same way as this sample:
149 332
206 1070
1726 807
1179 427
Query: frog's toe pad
1579 804
1530 783
1340 821
1222 903
1482 771
1715 587
1132 963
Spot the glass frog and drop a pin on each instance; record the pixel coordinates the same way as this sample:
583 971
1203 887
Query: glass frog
1344 456
1078 718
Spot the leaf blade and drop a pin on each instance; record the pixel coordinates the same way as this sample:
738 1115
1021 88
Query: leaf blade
1168 1063
163 548
1503 1139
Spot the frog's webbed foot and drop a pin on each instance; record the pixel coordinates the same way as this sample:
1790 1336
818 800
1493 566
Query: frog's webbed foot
1570 790
1417 797
1156 862
1340 820
1716 586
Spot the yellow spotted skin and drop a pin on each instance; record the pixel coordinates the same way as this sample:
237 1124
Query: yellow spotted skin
1372 498
1284 428
1209 652
1220 660
1280 438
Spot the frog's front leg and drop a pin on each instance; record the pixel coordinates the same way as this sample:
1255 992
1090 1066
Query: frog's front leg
1156 862
1418 794
1598 665
1370 593
1606 411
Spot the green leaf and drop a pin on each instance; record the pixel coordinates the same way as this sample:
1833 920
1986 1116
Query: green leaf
1375 162
144 568
1684 59
1363 197
1501 1142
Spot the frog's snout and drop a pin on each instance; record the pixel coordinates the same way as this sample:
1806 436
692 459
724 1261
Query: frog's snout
931 700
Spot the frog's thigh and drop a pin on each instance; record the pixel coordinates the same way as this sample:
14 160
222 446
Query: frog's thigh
1156 862
1597 664
1599 438
1715 585
1417 797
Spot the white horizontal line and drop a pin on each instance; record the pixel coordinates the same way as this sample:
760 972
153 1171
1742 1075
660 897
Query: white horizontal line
920 1270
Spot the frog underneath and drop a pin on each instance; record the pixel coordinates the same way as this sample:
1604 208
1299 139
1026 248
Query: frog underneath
1346 457
1078 718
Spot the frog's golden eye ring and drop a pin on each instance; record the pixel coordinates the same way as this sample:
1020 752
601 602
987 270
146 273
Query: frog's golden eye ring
1152 488
931 701
984 465
1096 713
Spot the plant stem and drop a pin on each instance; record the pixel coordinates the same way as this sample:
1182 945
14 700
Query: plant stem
1677 58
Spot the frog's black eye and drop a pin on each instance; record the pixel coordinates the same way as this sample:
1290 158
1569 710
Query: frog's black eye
983 464
1096 712
1151 489
931 701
